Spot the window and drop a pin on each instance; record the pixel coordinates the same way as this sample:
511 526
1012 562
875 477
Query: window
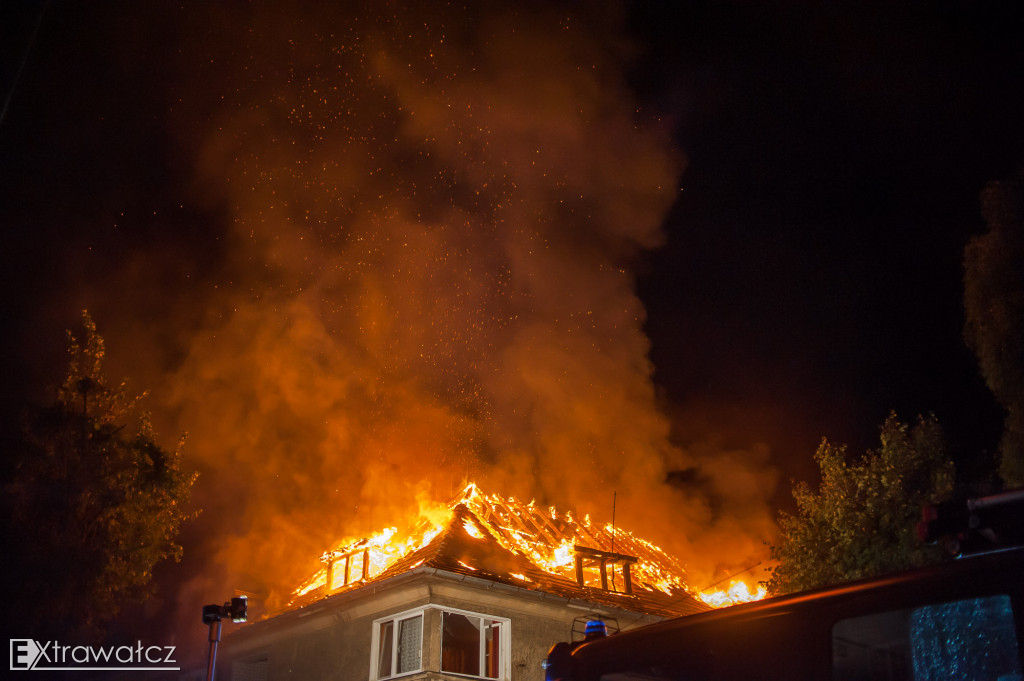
346 568
604 570
471 645
969 639
399 643
438 639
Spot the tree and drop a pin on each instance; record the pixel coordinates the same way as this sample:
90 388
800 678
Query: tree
862 520
994 310
91 505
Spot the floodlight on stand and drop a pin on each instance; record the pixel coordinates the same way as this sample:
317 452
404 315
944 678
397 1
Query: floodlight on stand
237 609
211 613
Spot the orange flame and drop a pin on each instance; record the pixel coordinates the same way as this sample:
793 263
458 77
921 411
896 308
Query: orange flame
544 536
738 592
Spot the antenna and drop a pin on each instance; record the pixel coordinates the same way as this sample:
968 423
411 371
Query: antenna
24 59
614 495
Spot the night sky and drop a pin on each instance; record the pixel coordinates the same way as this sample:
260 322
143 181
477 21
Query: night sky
836 154
808 277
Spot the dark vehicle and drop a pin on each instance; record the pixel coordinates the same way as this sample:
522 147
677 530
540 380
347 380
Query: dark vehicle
963 619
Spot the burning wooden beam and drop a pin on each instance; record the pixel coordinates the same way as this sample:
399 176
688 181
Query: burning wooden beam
556 544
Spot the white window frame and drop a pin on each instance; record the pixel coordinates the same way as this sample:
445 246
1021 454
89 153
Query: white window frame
504 644
375 642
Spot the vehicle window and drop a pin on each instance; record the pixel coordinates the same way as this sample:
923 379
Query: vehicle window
968 640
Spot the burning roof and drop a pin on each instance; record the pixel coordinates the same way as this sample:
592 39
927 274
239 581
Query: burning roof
521 544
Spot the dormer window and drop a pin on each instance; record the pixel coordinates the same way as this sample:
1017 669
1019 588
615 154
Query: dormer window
603 569
346 568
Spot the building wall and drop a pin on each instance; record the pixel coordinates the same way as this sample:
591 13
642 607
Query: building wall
331 639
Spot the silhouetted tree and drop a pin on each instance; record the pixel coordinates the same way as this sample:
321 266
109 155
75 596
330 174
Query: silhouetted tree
91 505
862 519
994 307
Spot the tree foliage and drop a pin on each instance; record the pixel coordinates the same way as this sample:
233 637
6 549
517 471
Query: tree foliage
862 519
994 310
92 505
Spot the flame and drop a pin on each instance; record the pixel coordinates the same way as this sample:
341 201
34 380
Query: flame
547 538
738 592
563 555
472 530
378 551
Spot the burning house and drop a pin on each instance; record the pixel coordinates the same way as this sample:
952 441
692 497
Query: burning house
480 593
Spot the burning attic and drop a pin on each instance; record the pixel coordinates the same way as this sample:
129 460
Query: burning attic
515 543
481 590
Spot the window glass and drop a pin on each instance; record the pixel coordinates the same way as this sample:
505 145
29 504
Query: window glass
970 640
471 645
460 644
492 649
387 631
409 638
399 645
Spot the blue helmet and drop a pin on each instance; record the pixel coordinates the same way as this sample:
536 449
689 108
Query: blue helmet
595 627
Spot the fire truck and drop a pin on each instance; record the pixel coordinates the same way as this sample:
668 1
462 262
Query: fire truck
962 619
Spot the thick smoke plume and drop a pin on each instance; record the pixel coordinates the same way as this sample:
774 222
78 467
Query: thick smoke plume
433 220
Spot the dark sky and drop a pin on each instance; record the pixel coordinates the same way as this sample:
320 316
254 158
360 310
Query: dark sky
836 154
810 276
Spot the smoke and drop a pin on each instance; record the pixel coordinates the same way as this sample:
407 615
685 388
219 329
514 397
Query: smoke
428 279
